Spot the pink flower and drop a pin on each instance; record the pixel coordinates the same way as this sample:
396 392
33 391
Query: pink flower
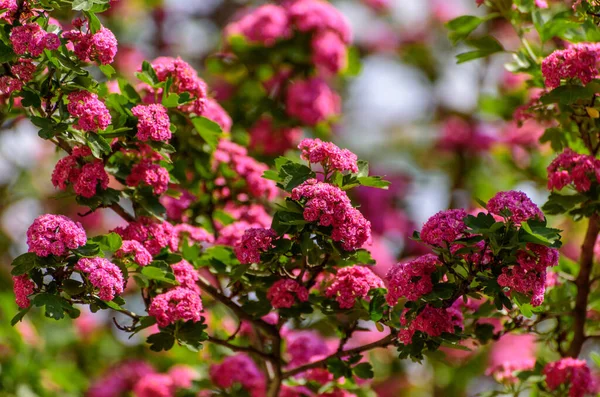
9 84
91 175
444 227
141 255
99 47
102 274
23 287
176 304
119 379
153 235
182 376
329 53
215 112
149 174
331 157
271 140
312 101
154 385
91 112
459 135
503 372
378 5
195 234
186 275
352 283
85 179
264 25
54 234
24 69
176 206
570 167
578 61
239 369
411 279
319 15
153 122
569 371
431 321
520 206
304 346
253 243
283 293
31 38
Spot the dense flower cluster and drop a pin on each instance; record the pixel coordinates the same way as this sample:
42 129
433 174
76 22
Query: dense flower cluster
271 140
153 235
283 293
528 276
264 25
153 122
215 112
141 256
331 157
352 283
504 372
23 287
431 321
578 61
102 274
312 101
239 369
444 227
85 179
186 275
570 167
176 206
194 234
155 385
91 113
250 170
318 16
461 136
33 40
54 234
411 279
253 242
176 304
520 206
22 73
330 206
570 371
330 54
147 173
119 379
304 346
99 47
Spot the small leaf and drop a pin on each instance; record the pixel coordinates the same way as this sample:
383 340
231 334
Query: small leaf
208 130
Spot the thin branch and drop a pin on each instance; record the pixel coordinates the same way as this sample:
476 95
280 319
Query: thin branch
247 349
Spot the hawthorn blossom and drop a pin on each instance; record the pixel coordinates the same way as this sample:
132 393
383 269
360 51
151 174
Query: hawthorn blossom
153 122
570 371
352 283
215 112
155 385
153 235
431 321
329 53
318 16
102 274
32 39
411 279
253 243
23 287
176 304
54 234
578 61
444 227
140 254
264 25
99 47
86 179
239 369
312 101
569 167
520 206
91 113
304 346
271 140
331 157
149 174
186 275
283 293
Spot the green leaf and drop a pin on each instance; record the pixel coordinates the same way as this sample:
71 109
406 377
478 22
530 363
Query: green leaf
171 101
363 371
294 174
87 5
208 130
160 272
108 242
191 335
485 46
56 307
98 145
461 27
24 263
374 181
562 203
161 341
19 316
73 287
108 70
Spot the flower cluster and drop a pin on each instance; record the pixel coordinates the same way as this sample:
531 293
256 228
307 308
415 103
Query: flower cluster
102 274
153 122
85 179
283 293
352 283
459 135
312 101
215 112
264 25
23 287
33 40
147 173
444 227
179 303
569 371
22 72
239 369
520 206
570 167
578 61
504 372
431 321
194 234
330 206
186 275
54 234
304 346
411 279
153 235
331 157
250 170
253 242
91 113
155 385
120 379
140 254
99 47
271 140
248 216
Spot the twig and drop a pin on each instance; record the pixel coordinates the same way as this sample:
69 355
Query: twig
247 349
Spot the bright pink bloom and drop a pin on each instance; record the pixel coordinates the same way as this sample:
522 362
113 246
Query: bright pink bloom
251 213
182 376
91 112
459 135
153 122
176 304
119 379
149 174
578 61
352 283
330 206
32 39
331 157
253 243
91 175
24 69
9 84
264 25
312 101
329 53
23 287
319 15
99 47
520 206
411 279
444 227
570 167
231 234
195 234
176 206
155 385
215 112
186 275
283 293
570 371
239 369
141 256
431 321
304 346
104 275
54 234
154 235
271 140
85 180
504 372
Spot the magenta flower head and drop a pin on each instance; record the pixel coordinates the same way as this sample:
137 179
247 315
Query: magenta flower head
352 283
264 25
411 279
312 101
54 234
578 61
135 249
91 113
23 287
328 155
284 293
444 227
520 206
153 122
176 304
570 371
239 369
102 274
254 242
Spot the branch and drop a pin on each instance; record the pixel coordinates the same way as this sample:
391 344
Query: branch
582 282
247 349
384 342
